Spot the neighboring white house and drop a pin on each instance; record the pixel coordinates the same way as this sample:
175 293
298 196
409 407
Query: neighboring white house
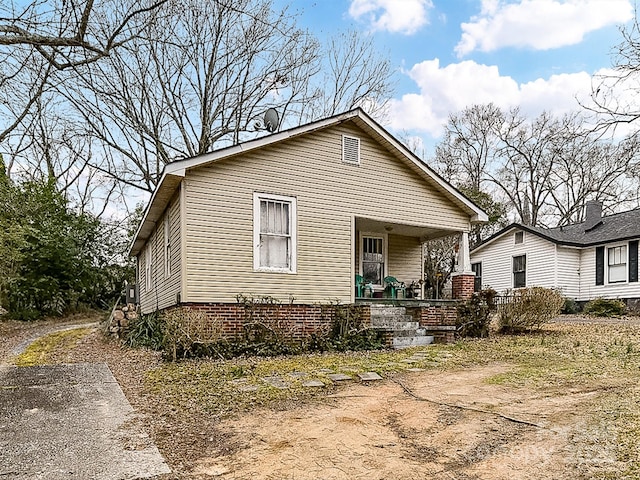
595 258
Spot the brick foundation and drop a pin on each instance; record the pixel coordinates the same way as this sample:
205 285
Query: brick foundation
299 322
462 285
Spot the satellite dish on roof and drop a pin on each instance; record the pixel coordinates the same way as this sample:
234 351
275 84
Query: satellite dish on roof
271 120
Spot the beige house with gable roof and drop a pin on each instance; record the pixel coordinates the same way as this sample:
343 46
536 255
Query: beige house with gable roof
297 214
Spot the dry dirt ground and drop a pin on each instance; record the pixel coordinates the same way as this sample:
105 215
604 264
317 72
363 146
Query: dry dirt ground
438 424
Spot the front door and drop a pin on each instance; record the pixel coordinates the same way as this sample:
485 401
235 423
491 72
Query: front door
373 259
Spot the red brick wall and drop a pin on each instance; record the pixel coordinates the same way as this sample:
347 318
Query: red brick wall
438 315
462 286
298 321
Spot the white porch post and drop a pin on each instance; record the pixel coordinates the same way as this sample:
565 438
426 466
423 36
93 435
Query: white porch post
464 260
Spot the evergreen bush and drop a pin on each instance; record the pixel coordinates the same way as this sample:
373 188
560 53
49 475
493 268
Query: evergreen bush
602 307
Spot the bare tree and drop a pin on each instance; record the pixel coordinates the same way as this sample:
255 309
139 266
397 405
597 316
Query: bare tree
470 144
545 168
353 74
439 263
70 33
203 74
45 45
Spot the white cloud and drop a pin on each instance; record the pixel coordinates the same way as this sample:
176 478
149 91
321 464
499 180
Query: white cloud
539 24
445 90
396 16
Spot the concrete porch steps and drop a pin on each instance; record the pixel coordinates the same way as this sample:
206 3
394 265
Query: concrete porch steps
405 332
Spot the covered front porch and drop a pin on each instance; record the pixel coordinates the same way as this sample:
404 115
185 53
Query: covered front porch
389 261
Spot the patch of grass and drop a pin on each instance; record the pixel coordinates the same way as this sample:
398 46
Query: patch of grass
226 387
40 351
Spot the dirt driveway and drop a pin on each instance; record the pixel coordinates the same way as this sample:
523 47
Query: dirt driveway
436 425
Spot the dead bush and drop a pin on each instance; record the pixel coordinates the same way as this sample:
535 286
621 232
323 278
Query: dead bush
188 333
530 308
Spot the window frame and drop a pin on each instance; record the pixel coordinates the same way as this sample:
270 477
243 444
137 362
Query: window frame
293 232
608 264
477 279
385 254
515 237
167 247
514 271
148 267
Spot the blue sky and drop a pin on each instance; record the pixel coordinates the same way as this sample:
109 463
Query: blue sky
535 54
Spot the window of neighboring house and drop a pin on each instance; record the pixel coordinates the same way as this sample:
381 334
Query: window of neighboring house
274 232
351 150
167 247
477 281
372 256
147 267
519 271
519 237
617 262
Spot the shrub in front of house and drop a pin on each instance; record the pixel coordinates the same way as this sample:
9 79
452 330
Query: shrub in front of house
530 308
266 331
570 306
474 315
602 307
145 331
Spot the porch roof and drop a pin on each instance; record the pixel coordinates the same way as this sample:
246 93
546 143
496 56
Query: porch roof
423 232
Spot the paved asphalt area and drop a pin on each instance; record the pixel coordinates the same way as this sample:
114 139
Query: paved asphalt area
71 422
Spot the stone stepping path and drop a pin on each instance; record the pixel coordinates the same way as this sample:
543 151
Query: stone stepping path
369 377
283 382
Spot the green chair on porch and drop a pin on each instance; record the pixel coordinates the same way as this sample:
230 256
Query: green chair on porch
362 286
394 286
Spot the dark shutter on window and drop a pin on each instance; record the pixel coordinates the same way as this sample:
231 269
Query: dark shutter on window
599 265
633 261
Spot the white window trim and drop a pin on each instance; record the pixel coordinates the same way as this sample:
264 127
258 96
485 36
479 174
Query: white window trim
515 236
257 196
148 267
344 160
167 247
513 274
474 273
385 253
606 263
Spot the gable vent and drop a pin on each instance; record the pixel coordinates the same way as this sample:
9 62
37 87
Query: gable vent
351 150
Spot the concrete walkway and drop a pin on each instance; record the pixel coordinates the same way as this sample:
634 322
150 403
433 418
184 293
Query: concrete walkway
70 422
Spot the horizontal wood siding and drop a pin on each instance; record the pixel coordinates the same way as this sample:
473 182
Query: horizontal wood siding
568 271
329 193
163 289
497 263
404 258
588 288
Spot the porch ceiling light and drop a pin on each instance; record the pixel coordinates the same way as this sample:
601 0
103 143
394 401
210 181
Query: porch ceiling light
388 228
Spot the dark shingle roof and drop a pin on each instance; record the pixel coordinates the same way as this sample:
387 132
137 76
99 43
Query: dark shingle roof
616 227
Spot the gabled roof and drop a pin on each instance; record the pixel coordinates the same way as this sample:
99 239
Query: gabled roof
174 172
613 228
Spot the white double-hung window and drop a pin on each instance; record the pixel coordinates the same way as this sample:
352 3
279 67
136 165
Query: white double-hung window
617 259
274 233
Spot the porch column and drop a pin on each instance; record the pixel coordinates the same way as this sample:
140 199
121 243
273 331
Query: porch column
464 260
462 280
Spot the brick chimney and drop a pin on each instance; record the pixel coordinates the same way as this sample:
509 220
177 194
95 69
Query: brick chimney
592 215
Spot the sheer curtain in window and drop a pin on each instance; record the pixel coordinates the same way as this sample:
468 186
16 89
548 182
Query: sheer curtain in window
275 234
